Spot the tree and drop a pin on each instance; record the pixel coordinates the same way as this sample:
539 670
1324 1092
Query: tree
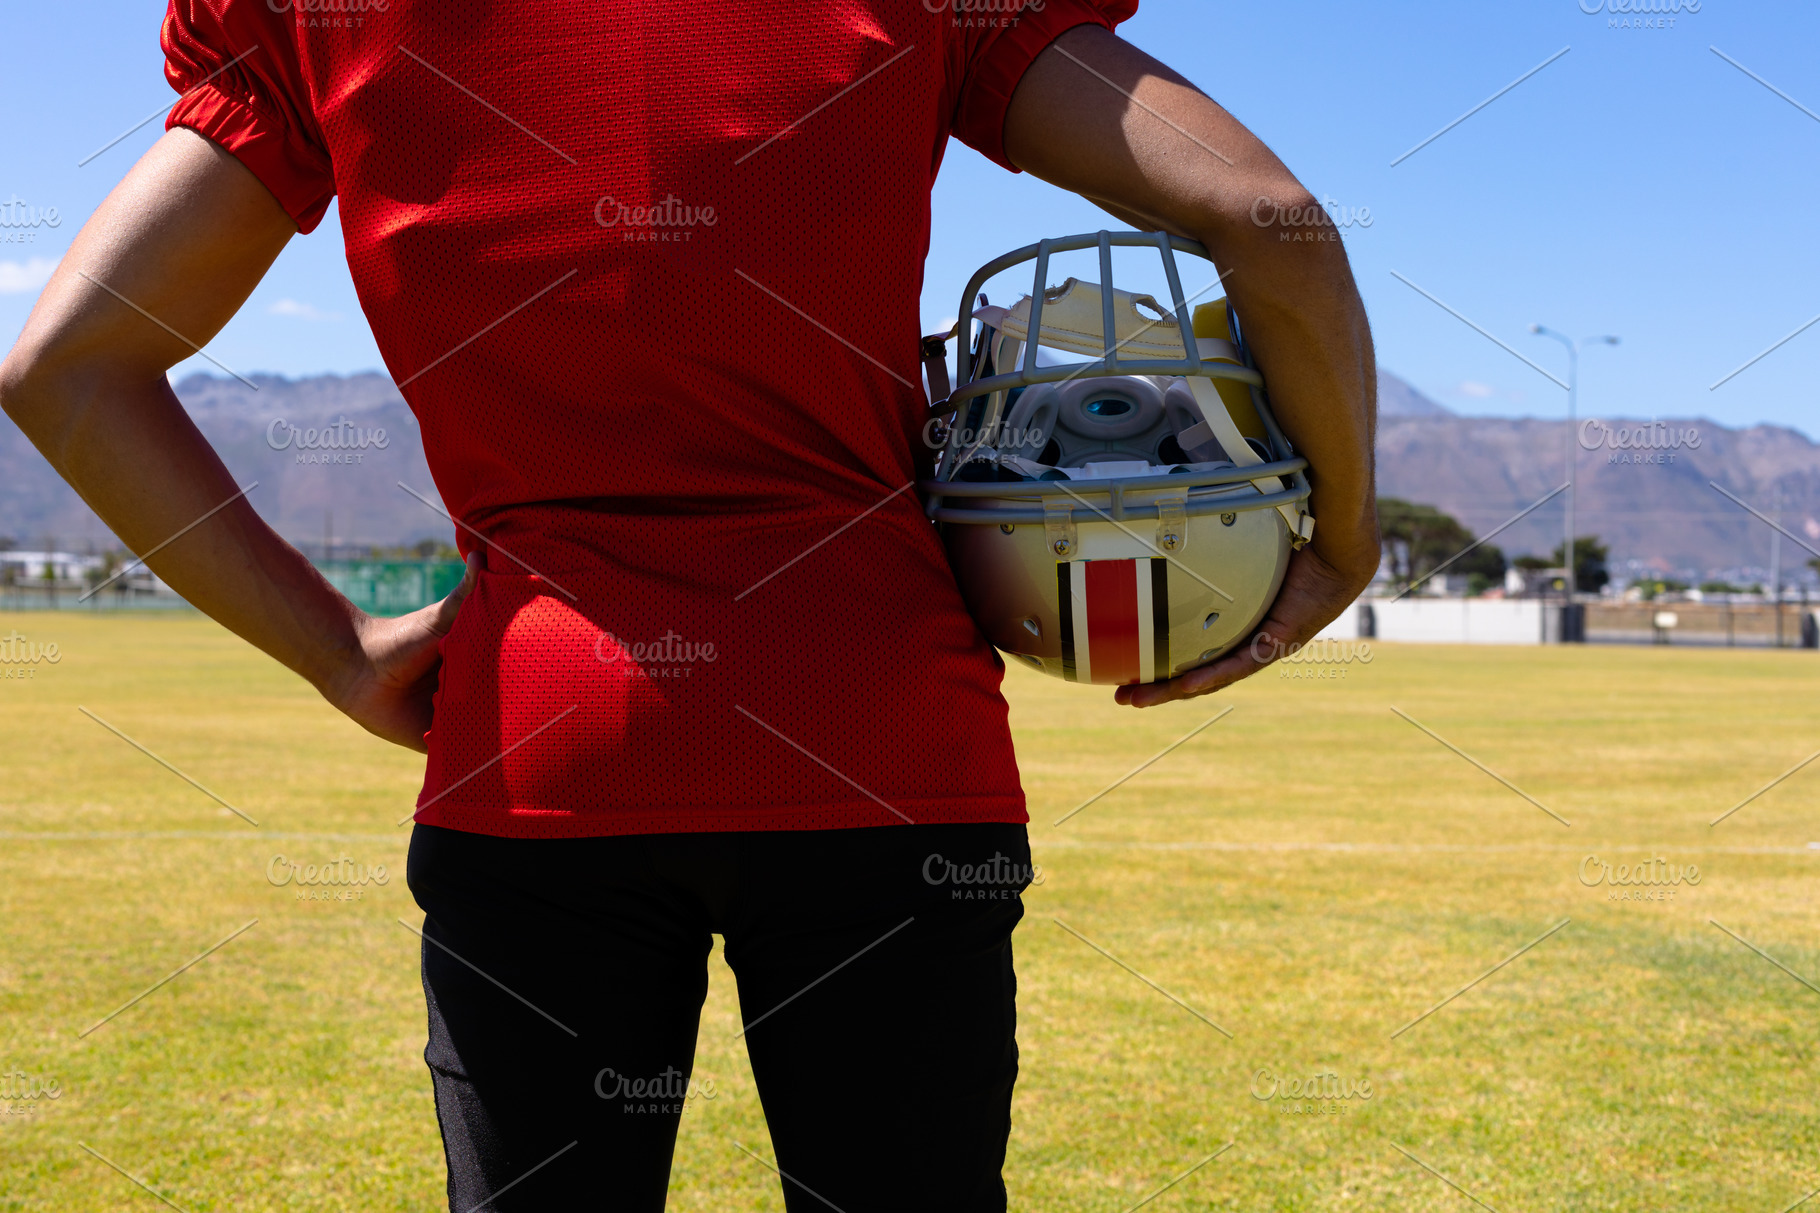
1483 568
103 571
1420 537
1486 560
1654 586
1589 562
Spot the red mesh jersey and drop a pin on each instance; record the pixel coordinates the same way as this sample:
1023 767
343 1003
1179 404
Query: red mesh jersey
648 276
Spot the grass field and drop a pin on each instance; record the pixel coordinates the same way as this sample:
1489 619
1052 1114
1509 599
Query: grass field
1311 873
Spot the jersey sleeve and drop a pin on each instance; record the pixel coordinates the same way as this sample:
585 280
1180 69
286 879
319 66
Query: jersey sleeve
234 62
996 49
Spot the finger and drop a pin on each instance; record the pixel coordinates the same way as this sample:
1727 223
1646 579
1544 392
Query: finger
1311 596
1203 681
1266 645
443 613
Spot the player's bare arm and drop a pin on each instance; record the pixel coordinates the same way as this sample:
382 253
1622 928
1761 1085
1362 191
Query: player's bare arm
1097 116
186 237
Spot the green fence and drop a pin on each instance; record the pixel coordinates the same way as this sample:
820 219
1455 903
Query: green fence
393 587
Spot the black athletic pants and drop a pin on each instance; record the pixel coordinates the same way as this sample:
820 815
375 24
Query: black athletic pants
565 979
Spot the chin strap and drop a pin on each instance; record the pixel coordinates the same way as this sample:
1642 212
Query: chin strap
935 366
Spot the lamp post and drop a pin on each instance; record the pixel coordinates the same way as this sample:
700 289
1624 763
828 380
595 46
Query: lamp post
1568 553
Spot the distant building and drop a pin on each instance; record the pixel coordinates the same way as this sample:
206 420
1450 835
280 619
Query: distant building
28 568
1447 585
1534 583
24 570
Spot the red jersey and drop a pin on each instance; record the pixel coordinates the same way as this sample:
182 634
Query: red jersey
648 276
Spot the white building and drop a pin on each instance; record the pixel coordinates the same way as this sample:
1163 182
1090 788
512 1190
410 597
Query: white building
28 568
69 571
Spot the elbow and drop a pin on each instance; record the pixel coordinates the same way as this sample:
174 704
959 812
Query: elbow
1291 218
21 379
45 394
1284 204
1276 218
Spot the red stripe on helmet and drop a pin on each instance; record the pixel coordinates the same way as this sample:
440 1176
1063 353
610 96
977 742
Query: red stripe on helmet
1112 620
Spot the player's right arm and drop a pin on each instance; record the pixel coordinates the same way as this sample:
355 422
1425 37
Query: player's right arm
165 261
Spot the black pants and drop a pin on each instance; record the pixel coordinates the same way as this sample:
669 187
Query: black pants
875 983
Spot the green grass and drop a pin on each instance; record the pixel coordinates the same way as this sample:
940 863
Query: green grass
1311 873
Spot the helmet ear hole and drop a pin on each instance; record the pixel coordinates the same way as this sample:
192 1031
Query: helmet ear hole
1107 413
1030 424
1170 451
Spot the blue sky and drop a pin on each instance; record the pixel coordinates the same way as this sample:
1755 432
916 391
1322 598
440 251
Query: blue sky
1640 184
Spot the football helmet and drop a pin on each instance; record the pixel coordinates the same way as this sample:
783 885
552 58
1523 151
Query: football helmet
1120 520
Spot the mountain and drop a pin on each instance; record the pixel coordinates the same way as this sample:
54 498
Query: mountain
1660 516
1656 510
1397 399
256 433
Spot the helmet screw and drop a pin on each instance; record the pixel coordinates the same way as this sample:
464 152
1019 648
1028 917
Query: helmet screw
1062 547
1171 541
1228 519
1006 527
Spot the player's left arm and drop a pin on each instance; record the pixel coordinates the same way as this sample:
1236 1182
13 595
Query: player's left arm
1101 118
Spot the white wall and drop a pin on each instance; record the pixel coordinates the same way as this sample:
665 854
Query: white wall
1468 621
1458 620
1346 627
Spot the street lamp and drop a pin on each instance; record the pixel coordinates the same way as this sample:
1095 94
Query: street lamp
1573 392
